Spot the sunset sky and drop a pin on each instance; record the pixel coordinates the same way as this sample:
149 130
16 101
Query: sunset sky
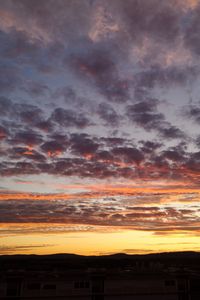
99 126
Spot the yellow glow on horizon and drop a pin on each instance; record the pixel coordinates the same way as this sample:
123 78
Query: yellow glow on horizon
91 239
91 243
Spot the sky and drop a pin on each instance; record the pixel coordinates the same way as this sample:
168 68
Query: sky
99 126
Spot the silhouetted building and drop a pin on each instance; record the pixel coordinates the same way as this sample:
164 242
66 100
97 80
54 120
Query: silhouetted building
96 285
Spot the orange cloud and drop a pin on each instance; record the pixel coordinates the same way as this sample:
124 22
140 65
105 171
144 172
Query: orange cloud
99 190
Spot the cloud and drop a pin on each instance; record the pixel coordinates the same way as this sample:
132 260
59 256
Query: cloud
162 25
29 114
150 146
169 131
15 249
191 35
16 45
36 89
198 141
82 144
114 141
159 76
128 154
53 148
10 78
145 114
82 155
72 98
25 153
175 155
193 163
5 106
17 116
96 65
39 21
108 114
82 211
3 133
69 118
27 137
192 112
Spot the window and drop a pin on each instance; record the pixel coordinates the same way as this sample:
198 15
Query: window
98 297
98 286
181 286
195 285
169 283
13 287
49 287
81 284
33 286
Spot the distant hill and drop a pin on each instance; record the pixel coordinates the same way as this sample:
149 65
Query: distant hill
117 256
72 261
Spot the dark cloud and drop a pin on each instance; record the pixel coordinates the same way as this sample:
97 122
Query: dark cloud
45 125
193 163
10 78
21 115
44 23
82 144
198 141
64 167
145 114
83 155
53 147
22 47
70 97
144 208
114 141
60 138
191 34
33 116
16 45
67 93
69 118
165 76
148 106
153 18
27 137
104 156
174 155
30 114
79 212
5 106
108 114
36 89
150 146
25 153
19 168
3 133
98 65
129 155
169 131
192 112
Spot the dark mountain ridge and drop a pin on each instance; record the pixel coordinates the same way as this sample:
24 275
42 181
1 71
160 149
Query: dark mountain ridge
118 260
